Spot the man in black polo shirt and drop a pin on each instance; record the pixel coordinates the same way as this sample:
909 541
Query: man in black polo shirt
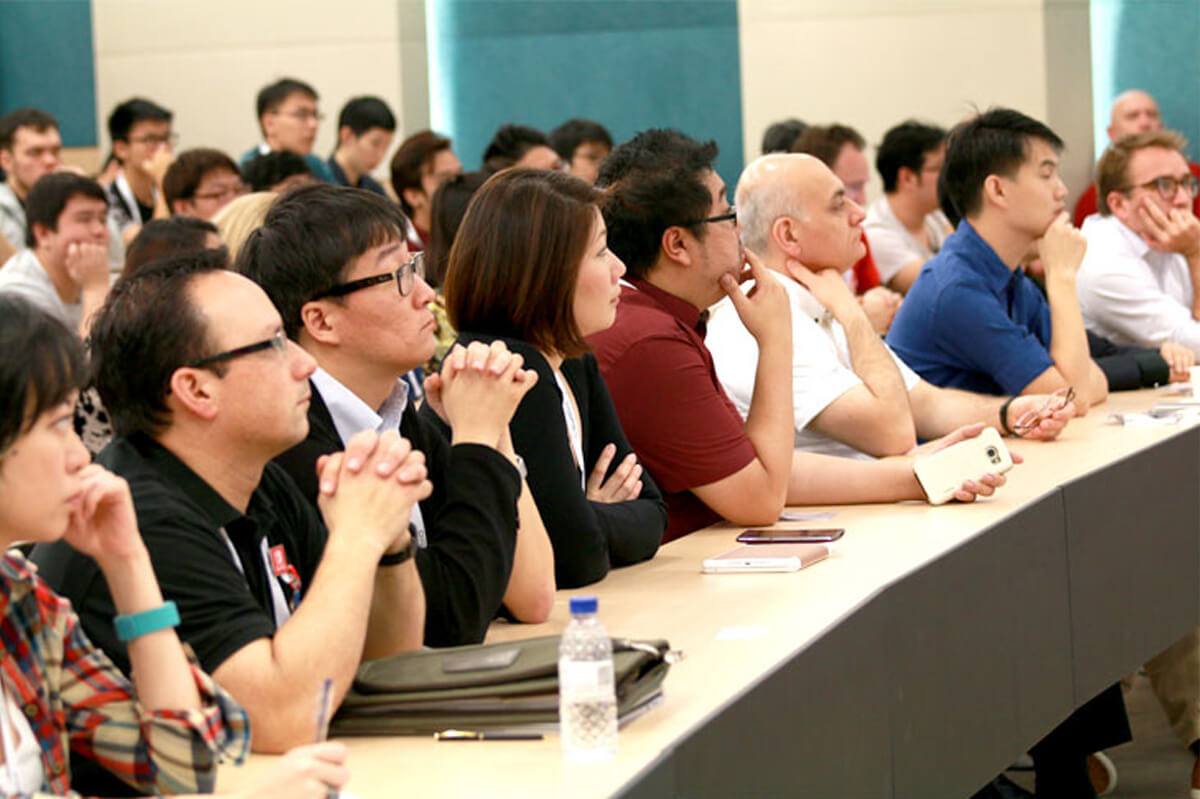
204 389
359 305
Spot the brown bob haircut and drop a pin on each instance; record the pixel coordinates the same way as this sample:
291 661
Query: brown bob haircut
516 259
1112 173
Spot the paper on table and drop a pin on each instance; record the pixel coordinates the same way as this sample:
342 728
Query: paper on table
805 516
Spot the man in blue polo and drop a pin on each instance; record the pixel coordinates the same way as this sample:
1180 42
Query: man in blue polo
973 319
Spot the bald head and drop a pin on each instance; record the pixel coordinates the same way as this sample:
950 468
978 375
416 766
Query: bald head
1133 111
771 187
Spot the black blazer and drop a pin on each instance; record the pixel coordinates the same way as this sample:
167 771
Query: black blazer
588 537
470 521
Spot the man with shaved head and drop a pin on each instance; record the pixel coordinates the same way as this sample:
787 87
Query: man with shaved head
1134 111
852 396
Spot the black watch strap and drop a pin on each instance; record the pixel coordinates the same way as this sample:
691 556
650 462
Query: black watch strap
1004 417
406 554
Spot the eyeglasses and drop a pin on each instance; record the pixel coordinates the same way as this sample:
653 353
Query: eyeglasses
168 138
731 214
221 192
277 342
1053 404
1167 185
405 278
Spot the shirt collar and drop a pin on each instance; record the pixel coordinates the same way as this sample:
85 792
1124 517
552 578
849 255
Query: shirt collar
351 415
980 257
684 311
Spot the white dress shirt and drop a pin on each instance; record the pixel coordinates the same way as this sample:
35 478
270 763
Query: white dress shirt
1131 294
351 415
821 366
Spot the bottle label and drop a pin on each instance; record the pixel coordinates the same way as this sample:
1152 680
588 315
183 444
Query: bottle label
585 679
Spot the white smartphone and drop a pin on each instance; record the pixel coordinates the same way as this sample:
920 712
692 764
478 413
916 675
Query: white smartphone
943 472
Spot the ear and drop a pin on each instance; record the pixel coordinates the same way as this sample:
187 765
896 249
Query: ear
120 150
1119 204
319 318
267 123
183 207
6 160
904 175
994 191
674 245
196 391
345 135
786 234
40 233
414 197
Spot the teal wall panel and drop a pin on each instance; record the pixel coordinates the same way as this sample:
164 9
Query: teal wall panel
628 65
46 62
1150 45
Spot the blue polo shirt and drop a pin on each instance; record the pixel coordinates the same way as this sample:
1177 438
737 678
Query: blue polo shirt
970 322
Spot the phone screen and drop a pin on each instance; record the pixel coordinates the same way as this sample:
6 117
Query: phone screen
776 535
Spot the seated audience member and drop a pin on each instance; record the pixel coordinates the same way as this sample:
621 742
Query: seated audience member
519 145
288 118
365 129
582 145
271 600
423 162
1137 284
450 203
236 221
780 136
162 237
841 149
164 730
29 148
141 140
276 172
358 305
201 182
850 393
690 437
1133 111
906 227
530 268
64 269
973 319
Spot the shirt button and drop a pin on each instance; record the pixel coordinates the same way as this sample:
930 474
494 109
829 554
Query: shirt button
31 710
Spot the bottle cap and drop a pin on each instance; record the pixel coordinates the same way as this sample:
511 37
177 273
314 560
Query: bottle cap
583 604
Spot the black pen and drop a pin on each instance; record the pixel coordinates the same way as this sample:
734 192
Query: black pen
473 735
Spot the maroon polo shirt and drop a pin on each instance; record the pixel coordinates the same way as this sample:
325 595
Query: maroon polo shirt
685 431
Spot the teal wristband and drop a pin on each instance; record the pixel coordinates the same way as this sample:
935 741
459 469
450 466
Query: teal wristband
135 625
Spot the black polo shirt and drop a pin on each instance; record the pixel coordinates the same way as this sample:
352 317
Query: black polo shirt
180 517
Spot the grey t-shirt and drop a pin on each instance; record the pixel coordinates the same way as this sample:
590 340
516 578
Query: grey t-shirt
23 275
12 217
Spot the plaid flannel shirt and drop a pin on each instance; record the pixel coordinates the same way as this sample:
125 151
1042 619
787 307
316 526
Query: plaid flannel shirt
73 696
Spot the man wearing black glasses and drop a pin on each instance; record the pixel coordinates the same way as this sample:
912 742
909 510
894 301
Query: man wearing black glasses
1138 281
204 389
335 263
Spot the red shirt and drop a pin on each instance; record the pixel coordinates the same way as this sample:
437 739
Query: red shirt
866 274
1086 205
684 429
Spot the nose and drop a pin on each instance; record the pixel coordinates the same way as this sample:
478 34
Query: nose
303 364
620 270
1060 189
857 214
422 293
77 454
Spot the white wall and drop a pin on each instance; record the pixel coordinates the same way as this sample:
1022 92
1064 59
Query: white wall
874 63
206 60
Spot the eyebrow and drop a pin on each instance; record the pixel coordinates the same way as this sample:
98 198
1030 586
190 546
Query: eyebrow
386 251
1048 162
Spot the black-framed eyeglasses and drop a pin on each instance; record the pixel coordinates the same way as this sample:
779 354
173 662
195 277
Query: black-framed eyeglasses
405 278
731 214
277 342
1167 185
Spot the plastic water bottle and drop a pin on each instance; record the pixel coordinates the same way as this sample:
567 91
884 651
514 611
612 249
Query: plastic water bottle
587 699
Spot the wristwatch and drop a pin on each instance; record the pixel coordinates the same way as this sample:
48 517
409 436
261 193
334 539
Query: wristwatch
406 554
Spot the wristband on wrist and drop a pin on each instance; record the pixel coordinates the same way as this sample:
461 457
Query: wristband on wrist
406 554
1004 417
135 625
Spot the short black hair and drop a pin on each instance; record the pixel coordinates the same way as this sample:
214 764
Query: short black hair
310 237
23 118
779 136
50 195
446 214
363 113
149 320
130 112
184 175
509 144
995 142
905 146
653 181
42 367
826 141
567 137
264 171
272 95
159 238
